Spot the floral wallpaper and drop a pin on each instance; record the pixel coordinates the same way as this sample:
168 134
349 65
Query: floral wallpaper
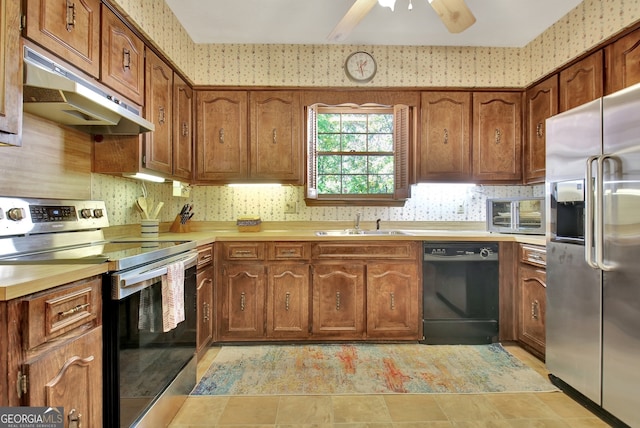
591 22
428 202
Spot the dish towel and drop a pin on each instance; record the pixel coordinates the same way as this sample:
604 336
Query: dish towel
173 296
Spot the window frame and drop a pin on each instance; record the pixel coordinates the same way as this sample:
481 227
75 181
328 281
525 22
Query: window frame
402 132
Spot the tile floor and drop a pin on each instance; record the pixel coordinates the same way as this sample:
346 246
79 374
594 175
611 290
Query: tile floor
525 410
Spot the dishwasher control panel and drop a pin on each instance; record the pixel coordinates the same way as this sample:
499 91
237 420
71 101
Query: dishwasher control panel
461 250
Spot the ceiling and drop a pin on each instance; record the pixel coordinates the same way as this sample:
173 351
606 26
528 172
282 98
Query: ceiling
499 23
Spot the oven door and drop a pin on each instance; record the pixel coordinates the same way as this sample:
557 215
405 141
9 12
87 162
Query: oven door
144 365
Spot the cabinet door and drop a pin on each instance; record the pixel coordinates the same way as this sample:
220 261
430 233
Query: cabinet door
497 136
444 151
288 300
204 336
122 66
276 139
68 28
582 82
541 103
532 308
221 135
182 128
69 376
10 73
338 300
392 301
622 59
158 147
241 303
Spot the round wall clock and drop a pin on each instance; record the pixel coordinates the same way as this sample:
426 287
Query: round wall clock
360 67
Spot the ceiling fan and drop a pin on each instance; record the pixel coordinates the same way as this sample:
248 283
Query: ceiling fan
455 15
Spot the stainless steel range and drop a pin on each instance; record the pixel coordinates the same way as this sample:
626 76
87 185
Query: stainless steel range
147 368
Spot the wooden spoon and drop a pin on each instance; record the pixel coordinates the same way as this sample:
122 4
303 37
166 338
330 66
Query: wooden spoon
156 210
142 203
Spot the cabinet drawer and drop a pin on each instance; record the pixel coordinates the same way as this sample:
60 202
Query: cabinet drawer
243 251
205 256
53 313
533 255
289 250
365 250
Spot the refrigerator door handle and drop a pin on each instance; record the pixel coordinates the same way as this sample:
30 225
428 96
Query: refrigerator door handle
599 217
589 213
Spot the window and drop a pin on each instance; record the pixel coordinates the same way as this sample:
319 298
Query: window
357 155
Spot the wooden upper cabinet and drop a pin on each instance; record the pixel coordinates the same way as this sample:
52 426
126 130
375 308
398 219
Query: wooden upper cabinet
157 107
10 73
541 103
68 28
445 144
182 128
276 136
622 63
497 136
582 82
221 135
122 66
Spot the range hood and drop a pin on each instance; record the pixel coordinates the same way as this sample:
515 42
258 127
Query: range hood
55 93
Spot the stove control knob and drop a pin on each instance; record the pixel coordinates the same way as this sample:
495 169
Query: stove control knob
97 213
485 252
15 214
85 213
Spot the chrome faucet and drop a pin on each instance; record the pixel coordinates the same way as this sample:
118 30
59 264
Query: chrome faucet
357 222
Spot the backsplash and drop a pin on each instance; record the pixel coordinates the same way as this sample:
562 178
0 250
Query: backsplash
429 202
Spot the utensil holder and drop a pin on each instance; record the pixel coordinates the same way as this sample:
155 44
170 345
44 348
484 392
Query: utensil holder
149 228
178 227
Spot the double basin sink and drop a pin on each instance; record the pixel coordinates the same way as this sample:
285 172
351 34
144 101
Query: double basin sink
366 232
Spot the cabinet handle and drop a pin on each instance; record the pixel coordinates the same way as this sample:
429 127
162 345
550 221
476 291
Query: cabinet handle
539 132
337 300
71 16
535 309
393 301
73 310
498 135
185 129
446 136
161 115
275 136
221 136
242 253
242 301
205 311
75 419
287 298
126 58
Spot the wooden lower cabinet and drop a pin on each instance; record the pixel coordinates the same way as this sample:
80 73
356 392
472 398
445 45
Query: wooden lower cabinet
69 377
393 301
53 351
319 291
241 301
532 298
204 297
288 300
338 300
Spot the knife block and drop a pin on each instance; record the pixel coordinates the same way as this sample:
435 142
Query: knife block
178 227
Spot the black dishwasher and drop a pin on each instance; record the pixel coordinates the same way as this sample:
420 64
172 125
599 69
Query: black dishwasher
460 293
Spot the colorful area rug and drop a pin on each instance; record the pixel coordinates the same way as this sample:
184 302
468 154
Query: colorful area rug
367 369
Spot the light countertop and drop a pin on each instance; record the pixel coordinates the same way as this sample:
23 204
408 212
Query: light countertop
20 280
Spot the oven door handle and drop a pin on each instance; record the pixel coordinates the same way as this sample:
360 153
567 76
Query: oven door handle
131 282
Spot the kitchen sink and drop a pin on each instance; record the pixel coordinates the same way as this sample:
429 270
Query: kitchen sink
350 232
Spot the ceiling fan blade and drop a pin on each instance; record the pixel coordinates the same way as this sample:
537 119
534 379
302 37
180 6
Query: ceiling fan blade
455 14
352 18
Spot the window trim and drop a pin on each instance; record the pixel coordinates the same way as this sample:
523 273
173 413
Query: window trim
402 132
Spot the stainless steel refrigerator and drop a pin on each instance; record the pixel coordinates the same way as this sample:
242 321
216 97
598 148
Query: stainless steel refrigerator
593 253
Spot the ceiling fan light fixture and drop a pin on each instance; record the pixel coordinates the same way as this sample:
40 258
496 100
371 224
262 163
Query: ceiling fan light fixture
387 3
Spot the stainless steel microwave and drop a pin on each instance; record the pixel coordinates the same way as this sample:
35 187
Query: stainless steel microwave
516 215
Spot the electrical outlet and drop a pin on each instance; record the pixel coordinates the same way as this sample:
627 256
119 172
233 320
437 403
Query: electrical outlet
291 208
461 209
